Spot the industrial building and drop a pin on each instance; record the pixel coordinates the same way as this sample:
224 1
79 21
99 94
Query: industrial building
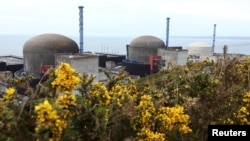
138 52
10 64
145 55
82 63
109 61
176 55
49 50
198 51
148 54
141 47
41 49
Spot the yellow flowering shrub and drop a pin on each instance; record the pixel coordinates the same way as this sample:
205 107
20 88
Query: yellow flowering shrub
242 116
49 126
9 93
153 122
170 118
174 104
7 113
99 94
147 135
67 104
146 110
120 94
66 78
246 99
243 70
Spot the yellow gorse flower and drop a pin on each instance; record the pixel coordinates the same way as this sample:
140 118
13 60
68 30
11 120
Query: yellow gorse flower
243 113
66 78
246 99
148 135
65 102
48 119
9 93
150 117
100 91
45 114
173 117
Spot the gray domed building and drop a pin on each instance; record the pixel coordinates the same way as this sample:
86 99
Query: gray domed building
41 49
141 47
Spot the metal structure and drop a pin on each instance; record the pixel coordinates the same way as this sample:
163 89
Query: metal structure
42 49
154 62
167 33
81 28
143 46
214 37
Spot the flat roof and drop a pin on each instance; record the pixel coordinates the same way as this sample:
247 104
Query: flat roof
110 54
11 60
84 55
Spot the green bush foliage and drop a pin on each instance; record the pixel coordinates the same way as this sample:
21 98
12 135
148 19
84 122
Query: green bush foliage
174 104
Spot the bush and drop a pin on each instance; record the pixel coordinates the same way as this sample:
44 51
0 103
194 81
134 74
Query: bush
174 104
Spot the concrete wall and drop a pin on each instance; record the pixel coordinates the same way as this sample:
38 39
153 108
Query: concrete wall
140 54
81 63
182 57
200 53
175 56
3 87
110 64
33 61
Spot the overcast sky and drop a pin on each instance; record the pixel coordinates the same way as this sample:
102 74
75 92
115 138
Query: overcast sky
126 17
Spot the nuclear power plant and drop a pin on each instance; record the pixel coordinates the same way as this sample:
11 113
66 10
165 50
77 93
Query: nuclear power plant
145 55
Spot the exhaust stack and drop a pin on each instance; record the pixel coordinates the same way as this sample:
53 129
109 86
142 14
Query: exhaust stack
167 32
214 37
81 28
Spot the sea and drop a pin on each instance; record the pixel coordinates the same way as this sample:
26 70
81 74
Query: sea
13 44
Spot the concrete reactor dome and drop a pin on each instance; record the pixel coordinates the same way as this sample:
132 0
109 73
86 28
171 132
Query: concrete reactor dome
143 46
147 41
200 50
41 49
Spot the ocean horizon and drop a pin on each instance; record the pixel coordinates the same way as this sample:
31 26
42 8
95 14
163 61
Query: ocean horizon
13 44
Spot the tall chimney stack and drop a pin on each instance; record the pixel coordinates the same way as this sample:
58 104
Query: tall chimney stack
81 28
167 33
214 37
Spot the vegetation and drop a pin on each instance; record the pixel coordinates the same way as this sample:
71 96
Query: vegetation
174 104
